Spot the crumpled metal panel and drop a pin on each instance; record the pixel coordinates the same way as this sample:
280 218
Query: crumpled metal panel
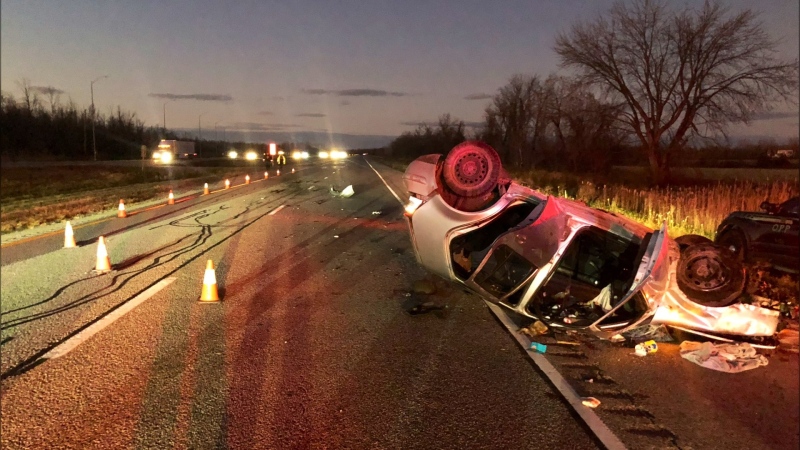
675 308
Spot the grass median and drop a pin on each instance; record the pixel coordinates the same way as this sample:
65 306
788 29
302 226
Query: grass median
30 197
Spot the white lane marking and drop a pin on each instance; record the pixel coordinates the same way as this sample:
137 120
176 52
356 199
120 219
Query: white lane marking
68 345
606 436
275 211
386 184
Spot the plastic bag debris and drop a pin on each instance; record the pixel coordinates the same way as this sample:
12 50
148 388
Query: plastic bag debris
537 347
346 192
591 402
725 357
537 328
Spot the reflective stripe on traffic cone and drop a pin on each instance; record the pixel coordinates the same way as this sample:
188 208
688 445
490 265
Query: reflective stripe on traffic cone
227 184
103 262
205 189
121 211
171 198
247 179
209 292
69 237
266 175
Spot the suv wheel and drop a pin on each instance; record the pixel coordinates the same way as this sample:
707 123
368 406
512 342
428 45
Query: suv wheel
710 275
734 241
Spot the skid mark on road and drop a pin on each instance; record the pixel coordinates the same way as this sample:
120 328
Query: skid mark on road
204 234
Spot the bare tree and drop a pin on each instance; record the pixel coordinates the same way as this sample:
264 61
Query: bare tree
516 119
679 73
583 126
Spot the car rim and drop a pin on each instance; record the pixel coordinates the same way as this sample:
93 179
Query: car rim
471 169
707 273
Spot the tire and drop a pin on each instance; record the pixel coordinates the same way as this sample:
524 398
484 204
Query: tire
687 240
735 242
710 275
471 169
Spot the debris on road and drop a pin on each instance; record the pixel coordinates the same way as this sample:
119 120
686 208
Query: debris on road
617 338
346 192
423 308
537 328
650 332
724 357
537 347
376 213
424 287
646 348
336 236
591 402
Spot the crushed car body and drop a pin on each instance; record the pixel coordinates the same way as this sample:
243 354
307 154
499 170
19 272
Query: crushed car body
562 262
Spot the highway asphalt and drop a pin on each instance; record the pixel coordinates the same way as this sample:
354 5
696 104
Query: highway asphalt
311 346
314 344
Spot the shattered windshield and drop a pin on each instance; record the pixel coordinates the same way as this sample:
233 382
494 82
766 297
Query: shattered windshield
594 273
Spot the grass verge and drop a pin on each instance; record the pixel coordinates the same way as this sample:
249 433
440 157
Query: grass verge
33 197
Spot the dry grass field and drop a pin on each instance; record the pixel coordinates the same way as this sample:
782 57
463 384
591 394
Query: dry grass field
30 197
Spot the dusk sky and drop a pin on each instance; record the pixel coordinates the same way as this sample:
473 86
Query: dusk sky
360 67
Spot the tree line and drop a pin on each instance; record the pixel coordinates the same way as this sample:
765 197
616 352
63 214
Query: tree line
37 125
645 81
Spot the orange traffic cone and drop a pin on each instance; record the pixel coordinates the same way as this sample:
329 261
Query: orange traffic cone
209 292
171 198
247 179
103 262
279 172
227 184
121 212
292 169
69 237
205 189
266 175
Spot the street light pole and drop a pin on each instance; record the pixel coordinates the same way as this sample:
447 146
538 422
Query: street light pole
91 88
199 135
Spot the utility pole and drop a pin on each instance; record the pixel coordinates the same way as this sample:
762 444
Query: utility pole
91 88
199 135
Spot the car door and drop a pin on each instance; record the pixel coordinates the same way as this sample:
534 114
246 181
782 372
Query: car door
649 284
516 255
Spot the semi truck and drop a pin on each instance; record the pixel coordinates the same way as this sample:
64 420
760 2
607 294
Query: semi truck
171 150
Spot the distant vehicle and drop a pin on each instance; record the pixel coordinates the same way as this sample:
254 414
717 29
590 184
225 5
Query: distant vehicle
171 150
783 153
770 236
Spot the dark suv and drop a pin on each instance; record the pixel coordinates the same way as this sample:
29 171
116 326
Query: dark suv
770 236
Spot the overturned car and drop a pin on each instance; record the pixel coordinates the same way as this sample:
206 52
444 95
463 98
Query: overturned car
562 262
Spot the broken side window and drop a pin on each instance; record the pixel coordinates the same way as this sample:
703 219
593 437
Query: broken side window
468 250
504 270
593 274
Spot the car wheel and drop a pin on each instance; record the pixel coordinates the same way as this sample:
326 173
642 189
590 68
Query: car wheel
687 240
735 242
710 275
471 169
